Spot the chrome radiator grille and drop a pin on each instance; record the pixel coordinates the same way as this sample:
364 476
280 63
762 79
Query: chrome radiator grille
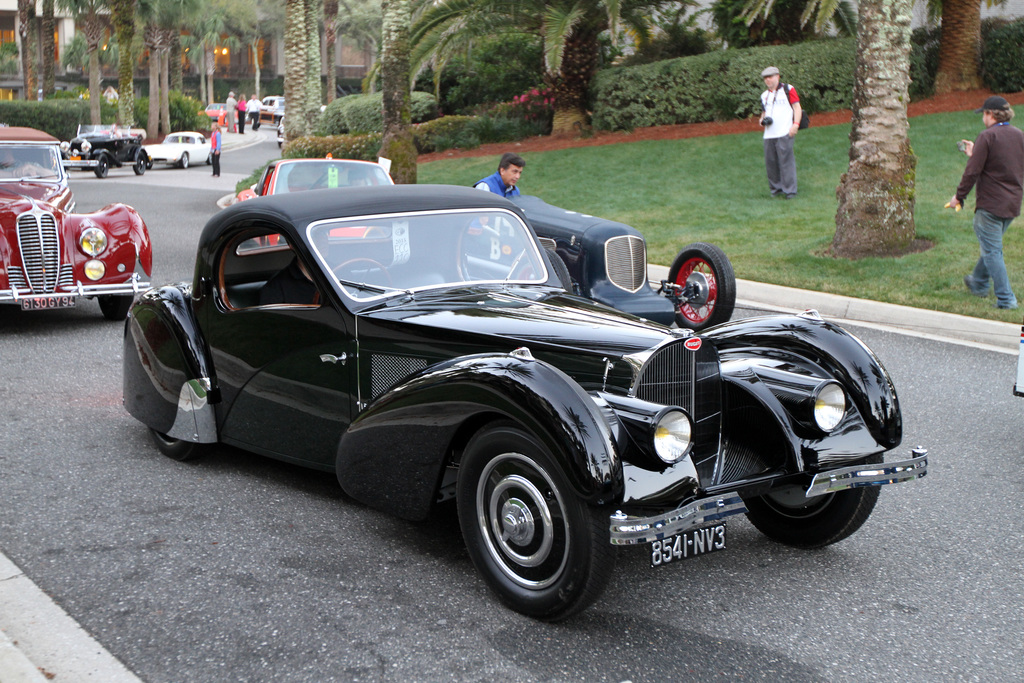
40 251
625 259
676 376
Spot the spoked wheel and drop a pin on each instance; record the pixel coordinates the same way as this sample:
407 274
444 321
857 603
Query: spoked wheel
786 516
544 551
184 160
139 166
176 449
705 272
115 306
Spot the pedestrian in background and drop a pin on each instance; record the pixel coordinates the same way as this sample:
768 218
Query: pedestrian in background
253 110
215 144
995 164
503 182
241 115
232 105
780 116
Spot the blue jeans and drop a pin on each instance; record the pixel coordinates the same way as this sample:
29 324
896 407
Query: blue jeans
990 228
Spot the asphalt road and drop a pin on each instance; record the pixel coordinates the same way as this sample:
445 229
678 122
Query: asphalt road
240 568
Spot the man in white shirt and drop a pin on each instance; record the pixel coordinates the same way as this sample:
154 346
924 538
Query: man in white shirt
780 116
252 110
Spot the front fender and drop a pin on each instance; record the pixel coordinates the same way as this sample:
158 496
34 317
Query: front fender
840 353
168 375
393 454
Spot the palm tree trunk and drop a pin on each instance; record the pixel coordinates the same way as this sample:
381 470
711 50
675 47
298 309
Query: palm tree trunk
94 85
397 144
256 66
876 195
959 46
165 93
313 90
211 67
330 37
175 76
153 118
569 87
295 48
48 47
122 13
26 24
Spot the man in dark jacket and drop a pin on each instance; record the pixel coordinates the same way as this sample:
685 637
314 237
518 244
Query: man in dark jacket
996 166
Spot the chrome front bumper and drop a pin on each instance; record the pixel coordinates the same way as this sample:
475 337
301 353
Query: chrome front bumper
629 530
133 287
81 163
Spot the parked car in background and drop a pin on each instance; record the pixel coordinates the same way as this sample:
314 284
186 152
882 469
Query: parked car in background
415 341
272 109
51 258
607 261
98 148
218 113
180 149
298 175
31 165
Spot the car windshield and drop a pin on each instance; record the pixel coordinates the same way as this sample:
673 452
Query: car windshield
375 256
87 129
299 176
19 162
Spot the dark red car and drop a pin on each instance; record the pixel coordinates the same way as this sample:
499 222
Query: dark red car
50 257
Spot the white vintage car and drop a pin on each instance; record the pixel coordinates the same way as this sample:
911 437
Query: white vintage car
180 149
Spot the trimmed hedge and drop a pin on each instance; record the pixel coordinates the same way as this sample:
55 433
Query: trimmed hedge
365 147
365 113
1002 56
426 135
722 85
59 118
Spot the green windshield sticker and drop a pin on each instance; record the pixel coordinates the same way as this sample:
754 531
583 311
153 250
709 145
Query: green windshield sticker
332 177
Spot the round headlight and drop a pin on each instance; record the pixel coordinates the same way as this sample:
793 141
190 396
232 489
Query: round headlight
829 406
86 145
65 146
93 241
672 435
94 269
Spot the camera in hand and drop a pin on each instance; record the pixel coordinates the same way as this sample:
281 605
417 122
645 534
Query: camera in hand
767 121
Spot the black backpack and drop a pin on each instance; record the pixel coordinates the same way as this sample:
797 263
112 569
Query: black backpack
805 120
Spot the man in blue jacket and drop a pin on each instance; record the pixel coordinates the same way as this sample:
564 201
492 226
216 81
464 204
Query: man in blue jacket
503 183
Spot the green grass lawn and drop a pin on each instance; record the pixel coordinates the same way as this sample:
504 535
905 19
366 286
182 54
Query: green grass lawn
714 189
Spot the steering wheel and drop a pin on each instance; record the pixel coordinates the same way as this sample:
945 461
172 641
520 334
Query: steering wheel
461 254
340 271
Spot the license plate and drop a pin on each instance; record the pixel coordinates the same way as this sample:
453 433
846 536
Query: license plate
689 544
76 158
42 303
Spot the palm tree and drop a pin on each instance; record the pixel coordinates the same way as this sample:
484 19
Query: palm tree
26 26
876 195
397 143
88 19
48 47
162 20
330 37
569 28
296 44
122 14
312 91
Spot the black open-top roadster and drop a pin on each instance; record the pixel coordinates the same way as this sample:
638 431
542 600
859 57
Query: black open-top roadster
416 341
100 147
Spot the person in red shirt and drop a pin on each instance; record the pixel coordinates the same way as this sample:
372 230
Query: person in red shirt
995 166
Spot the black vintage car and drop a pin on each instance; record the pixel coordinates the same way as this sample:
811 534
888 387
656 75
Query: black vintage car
607 261
415 341
101 147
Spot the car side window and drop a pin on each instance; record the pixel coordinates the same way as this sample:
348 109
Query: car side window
260 268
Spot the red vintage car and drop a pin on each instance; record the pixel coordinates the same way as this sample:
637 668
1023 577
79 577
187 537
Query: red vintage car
298 175
50 257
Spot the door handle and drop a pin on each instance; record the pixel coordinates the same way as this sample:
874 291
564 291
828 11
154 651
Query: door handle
330 358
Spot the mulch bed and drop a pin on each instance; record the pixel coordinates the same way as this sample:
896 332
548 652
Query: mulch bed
958 101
